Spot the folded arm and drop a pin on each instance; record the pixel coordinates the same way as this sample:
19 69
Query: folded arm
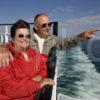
43 68
14 87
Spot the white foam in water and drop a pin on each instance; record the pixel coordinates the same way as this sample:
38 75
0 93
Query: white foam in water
64 97
89 86
60 71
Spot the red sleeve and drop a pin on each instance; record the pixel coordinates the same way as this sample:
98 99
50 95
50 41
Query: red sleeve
16 87
43 70
41 60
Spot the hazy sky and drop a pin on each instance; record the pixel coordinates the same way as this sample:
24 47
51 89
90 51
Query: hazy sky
73 15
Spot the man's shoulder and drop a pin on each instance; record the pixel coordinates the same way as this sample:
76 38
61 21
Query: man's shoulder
51 36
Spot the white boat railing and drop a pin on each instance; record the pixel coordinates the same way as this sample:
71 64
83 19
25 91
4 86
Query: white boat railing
54 90
4 38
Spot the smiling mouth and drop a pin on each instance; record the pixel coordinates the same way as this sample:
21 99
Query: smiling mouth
24 41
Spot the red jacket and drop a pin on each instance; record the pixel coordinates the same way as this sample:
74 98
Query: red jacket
16 79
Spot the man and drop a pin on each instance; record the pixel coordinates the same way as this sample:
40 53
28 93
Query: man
43 42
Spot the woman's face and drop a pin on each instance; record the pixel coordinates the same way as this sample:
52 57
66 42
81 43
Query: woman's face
22 39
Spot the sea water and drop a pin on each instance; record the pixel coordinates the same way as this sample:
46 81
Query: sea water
77 77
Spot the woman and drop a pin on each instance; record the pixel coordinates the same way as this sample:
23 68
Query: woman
26 74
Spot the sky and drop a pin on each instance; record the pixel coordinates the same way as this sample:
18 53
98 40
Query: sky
73 16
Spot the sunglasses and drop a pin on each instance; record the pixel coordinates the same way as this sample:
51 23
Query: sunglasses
45 24
27 36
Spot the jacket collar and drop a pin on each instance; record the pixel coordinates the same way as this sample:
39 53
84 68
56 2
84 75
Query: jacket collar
11 47
49 37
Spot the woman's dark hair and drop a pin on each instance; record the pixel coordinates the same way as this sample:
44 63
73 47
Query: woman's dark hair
17 25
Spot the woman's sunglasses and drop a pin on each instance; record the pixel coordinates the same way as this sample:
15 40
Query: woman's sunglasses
27 36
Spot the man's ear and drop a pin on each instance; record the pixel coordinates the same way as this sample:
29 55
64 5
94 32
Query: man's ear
12 40
35 27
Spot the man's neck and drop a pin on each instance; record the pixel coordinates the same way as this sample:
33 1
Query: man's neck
40 42
41 36
38 36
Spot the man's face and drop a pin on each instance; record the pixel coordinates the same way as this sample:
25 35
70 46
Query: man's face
43 26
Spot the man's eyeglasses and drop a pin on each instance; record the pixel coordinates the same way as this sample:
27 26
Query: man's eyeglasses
27 36
45 24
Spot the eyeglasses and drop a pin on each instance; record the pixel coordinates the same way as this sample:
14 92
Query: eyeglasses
45 24
27 36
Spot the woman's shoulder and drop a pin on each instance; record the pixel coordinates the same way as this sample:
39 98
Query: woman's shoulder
34 52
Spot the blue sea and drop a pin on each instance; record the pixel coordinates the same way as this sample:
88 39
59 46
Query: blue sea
79 73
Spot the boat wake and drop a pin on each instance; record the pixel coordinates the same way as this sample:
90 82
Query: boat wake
77 76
